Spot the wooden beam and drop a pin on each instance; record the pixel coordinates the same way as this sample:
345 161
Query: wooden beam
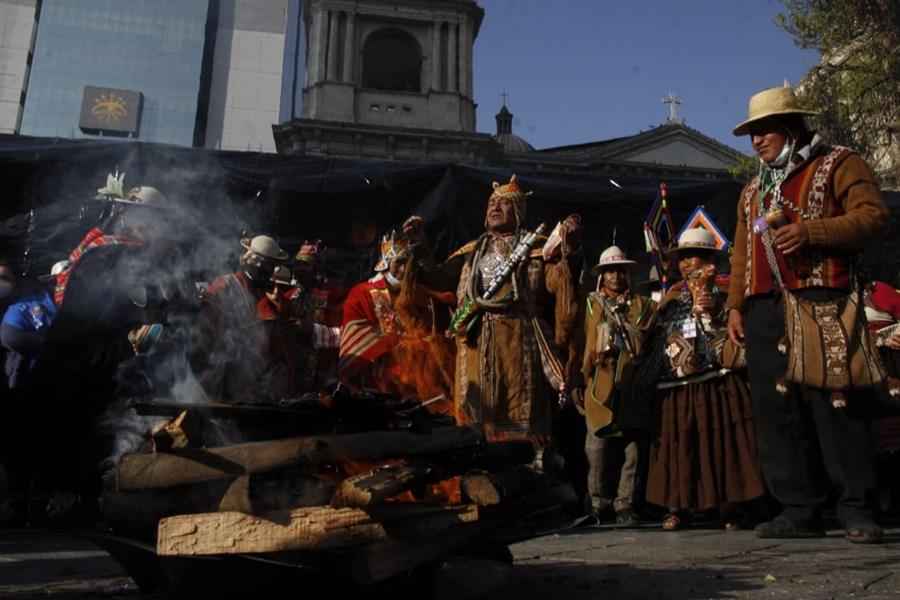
184 466
315 528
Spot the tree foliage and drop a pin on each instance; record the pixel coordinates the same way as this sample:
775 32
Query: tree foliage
856 88
744 169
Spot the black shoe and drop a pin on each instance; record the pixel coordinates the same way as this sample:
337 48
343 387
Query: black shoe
602 515
627 518
783 527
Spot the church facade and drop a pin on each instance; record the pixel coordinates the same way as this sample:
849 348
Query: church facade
392 80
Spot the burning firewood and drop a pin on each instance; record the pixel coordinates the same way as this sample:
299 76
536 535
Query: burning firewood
147 471
379 484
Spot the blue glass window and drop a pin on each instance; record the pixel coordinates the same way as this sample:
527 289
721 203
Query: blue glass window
151 46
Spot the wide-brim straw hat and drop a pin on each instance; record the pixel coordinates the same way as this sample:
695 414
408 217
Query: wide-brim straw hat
611 257
697 238
266 247
771 103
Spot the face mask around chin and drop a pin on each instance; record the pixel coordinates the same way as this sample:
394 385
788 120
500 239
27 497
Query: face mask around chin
392 281
782 158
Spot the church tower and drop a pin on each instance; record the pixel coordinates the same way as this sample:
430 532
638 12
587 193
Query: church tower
378 69
391 62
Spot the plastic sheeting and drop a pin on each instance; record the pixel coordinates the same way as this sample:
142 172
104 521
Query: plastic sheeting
50 184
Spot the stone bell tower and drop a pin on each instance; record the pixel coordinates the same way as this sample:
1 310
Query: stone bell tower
382 72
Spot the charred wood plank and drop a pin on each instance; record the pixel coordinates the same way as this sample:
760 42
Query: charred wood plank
379 484
488 489
316 528
183 466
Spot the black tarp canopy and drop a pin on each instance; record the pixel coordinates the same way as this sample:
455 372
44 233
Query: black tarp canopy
49 186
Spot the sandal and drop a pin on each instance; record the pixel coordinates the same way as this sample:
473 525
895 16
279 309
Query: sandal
864 531
673 523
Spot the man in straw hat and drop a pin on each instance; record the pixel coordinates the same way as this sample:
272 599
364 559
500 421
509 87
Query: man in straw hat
801 221
616 424
510 346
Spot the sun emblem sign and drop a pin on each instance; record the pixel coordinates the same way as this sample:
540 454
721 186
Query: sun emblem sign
110 111
109 108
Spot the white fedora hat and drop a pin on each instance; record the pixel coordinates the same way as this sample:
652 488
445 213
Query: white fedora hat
770 103
611 257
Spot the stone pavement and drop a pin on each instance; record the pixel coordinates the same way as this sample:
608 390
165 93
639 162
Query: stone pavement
608 563
592 562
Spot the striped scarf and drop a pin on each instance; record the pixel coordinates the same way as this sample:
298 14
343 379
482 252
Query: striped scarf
95 238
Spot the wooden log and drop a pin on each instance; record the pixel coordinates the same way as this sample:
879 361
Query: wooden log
485 488
141 511
379 484
377 562
237 496
185 430
316 528
184 466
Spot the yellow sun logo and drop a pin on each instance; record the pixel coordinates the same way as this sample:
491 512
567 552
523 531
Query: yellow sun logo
109 108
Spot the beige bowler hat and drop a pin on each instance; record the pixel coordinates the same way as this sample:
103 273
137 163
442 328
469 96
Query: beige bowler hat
696 238
769 103
611 257
144 195
266 247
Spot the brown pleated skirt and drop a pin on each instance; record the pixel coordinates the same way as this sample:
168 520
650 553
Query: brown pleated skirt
703 452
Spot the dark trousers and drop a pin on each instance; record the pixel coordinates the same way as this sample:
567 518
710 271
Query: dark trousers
803 440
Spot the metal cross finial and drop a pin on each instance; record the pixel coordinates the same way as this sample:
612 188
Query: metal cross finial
672 100
505 96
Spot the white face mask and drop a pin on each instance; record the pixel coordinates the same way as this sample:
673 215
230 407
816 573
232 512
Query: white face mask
782 159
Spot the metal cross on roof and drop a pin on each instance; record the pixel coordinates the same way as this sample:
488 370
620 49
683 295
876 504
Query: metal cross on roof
505 96
672 100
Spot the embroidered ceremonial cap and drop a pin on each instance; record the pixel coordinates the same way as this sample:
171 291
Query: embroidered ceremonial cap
611 257
265 247
392 246
770 103
511 191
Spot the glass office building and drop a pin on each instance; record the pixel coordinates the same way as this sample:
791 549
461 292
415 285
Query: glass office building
159 48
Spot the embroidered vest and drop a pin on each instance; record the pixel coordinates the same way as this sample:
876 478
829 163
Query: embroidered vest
809 189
